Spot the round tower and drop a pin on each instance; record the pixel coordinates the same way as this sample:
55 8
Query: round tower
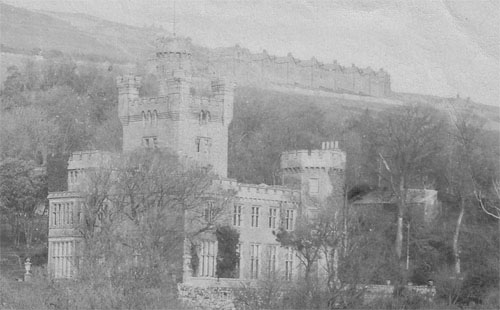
319 174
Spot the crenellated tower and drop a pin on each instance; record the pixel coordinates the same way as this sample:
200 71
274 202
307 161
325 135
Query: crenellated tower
190 121
319 174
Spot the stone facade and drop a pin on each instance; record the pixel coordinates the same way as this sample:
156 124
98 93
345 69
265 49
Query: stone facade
196 128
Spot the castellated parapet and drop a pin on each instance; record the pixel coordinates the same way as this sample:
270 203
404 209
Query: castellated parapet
329 157
264 69
81 163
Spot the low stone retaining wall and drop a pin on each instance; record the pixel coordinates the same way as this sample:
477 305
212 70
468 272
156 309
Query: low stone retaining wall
206 297
210 293
372 292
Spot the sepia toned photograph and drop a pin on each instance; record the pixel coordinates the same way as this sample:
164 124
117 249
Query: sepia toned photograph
249 154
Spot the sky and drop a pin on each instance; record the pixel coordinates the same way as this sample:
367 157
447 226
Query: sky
437 47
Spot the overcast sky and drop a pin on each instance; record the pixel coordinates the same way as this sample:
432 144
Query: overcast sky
428 46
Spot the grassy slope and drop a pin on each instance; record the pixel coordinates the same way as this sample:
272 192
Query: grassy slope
23 29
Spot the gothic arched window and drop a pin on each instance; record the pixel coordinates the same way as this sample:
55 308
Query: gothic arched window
204 116
149 118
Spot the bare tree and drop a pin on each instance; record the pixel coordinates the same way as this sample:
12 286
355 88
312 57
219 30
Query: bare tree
139 210
407 140
463 167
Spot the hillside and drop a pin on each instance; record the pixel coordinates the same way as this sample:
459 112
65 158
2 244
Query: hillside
24 31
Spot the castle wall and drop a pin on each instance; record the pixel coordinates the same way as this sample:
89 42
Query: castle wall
247 68
265 198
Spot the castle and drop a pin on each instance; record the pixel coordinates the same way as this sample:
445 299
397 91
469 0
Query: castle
196 127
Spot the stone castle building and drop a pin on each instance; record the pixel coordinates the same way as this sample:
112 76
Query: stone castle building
194 124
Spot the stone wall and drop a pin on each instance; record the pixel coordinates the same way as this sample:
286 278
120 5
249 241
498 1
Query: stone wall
261 68
206 297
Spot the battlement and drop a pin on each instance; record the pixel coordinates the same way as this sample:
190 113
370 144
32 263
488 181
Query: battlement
165 45
63 195
128 81
266 192
263 69
88 159
329 157
148 101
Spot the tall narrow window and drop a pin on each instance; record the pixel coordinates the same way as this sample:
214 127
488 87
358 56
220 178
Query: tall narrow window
209 212
273 212
238 267
198 145
149 118
155 118
271 260
54 215
255 217
254 261
289 263
208 254
289 219
237 215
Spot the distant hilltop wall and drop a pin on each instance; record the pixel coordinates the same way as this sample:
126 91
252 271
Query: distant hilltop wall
247 68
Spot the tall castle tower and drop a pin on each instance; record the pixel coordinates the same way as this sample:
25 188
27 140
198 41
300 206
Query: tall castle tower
319 174
194 126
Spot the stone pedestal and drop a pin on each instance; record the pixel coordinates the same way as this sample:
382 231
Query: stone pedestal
27 277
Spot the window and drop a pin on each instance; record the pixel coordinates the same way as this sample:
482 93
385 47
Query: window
209 212
148 142
254 261
203 145
143 119
237 215
54 214
289 220
155 118
271 263
313 186
289 263
149 118
208 254
204 117
63 259
255 217
273 212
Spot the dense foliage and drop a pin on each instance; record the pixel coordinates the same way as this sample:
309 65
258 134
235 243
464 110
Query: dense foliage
227 252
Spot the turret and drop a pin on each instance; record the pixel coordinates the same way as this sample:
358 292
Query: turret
223 91
173 62
128 91
319 174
